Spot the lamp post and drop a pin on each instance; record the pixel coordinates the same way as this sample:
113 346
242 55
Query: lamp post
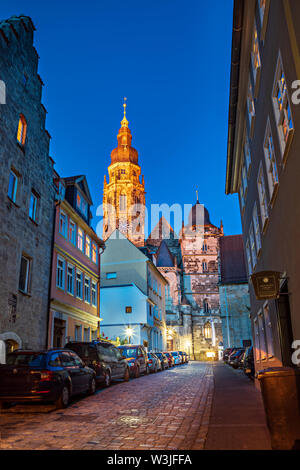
129 332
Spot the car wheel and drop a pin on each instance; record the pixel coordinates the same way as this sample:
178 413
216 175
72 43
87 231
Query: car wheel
64 398
107 379
137 372
92 386
127 375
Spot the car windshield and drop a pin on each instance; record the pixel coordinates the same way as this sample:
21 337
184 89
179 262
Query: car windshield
159 354
174 354
128 352
29 359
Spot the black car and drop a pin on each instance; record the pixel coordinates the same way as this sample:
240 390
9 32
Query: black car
163 359
105 358
248 363
227 353
50 376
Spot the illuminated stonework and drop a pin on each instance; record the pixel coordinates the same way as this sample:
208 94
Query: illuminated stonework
124 193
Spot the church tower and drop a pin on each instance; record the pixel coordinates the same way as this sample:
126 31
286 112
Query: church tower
124 193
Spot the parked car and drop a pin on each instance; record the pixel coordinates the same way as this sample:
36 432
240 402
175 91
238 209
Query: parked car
170 359
49 376
154 362
177 357
182 357
137 359
235 357
106 359
186 357
163 359
248 363
227 353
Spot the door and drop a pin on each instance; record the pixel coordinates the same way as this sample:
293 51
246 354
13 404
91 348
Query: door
285 326
120 362
142 360
59 328
72 368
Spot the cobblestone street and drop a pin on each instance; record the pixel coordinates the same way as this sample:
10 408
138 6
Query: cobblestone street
166 410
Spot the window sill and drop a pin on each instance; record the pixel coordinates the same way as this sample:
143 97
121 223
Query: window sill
34 221
13 202
26 294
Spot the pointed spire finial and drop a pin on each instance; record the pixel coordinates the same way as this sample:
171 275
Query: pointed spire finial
197 195
124 121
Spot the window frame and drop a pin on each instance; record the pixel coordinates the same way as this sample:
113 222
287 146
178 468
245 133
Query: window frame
62 270
62 215
271 163
22 130
262 195
34 216
70 266
26 289
79 273
13 197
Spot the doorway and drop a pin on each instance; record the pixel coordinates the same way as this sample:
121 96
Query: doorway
59 333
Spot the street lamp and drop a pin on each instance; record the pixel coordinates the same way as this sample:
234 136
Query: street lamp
129 333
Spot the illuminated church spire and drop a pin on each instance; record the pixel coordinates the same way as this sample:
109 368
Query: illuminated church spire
124 190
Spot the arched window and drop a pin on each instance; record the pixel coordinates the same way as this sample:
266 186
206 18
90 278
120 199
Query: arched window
22 129
207 331
205 306
204 266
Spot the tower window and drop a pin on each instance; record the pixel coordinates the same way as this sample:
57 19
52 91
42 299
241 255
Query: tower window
122 202
22 129
207 331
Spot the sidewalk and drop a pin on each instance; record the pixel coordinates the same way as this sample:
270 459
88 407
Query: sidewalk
237 419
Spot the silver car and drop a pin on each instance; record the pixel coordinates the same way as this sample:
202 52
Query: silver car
154 362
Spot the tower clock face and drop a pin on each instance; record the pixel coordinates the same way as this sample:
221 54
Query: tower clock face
123 226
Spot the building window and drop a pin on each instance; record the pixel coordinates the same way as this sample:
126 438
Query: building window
251 108
123 172
122 202
72 232
24 274
252 246
282 108
22 130
270 160
128 309
70 279
255 56
94 253
262 9
262 196
269 333
78 333
12 186
242 197
87 334
111 275
82 205
256 228
262 339
88 246
244 180
207 331
60 273
78 284
204 266
204 247
80 239
247 154
94 293
205 306
63 223
263 6
87 289
249 260
33 206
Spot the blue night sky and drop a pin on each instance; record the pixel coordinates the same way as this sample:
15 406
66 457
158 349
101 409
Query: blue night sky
171 59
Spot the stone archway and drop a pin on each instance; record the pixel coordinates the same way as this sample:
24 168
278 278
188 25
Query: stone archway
9 341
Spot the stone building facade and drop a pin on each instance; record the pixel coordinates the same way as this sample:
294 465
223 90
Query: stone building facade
27 193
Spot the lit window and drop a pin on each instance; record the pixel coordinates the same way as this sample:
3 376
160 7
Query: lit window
24 274
12 186
33 207
94 293
255 56
82 204
72 232
60 273
80 239
262 196
88 246
63 221
70 279
22 129
269 332
270 160
256 228
94 253
87 289
282 108
78 284
207 331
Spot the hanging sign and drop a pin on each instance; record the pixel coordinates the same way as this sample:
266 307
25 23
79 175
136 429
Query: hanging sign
266 285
